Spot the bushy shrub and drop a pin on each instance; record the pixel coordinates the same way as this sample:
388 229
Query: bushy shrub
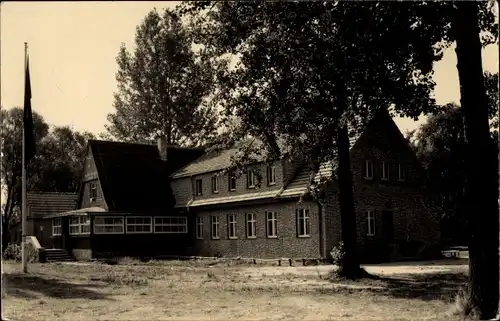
13 252
338 253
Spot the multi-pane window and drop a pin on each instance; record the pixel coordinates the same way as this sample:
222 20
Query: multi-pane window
303 223
139 224
370 223
93 191
57 226
401 172
251 233
79 225
385 171
170 224
271 175
199 186
108 225
250 178
214 220
368 169
271 224
215 184
199 227
231 226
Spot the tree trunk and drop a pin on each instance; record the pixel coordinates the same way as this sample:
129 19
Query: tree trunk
481 195
349 267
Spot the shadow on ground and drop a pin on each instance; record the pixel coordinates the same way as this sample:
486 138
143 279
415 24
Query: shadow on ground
429 286
35 286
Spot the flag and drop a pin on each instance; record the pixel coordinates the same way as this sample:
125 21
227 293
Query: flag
29 138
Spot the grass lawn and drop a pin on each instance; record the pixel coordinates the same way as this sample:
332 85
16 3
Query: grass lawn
188 290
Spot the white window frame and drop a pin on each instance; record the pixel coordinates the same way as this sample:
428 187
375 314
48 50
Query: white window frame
385 171
232 223
170 224
368 165
250 178
251 221
103 225
303 221
214 227
56 228
272 219
92 191
127 223
198 192
81 222
271 175
232 177
199 227
215 184
401 172
370 229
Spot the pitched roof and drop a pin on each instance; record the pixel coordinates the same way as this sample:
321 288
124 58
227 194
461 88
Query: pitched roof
133 177
45 204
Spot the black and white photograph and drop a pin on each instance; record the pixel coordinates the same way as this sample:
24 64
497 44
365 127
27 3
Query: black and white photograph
250 160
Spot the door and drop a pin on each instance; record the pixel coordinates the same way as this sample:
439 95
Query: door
388 226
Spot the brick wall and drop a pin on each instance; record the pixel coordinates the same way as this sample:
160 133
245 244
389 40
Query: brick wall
287 244
183 187
415 218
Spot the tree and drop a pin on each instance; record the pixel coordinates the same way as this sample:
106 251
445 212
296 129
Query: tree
481 164
56 167
308 70
163 86
11 137
439 144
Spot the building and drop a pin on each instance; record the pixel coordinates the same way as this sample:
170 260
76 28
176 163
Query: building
142 200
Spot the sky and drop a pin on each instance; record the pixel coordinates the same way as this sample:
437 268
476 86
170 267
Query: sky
72 51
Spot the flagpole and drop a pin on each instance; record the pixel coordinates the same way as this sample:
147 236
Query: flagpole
24 207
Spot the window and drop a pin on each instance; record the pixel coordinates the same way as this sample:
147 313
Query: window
108 225
250 178
93 191
215 227
232 181
370 223
385 171
303 224
231 225
57 226
251 234
199 228
271 175
401 172
139 224
368 169
199 187
170 224
271 224
215 184
79 225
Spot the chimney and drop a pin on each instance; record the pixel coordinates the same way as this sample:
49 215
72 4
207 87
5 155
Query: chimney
162 148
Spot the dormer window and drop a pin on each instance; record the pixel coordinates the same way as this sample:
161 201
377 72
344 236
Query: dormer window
271 175
232 181
385 171
368 169
215 184
401 172
199 187
93 192
250 179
